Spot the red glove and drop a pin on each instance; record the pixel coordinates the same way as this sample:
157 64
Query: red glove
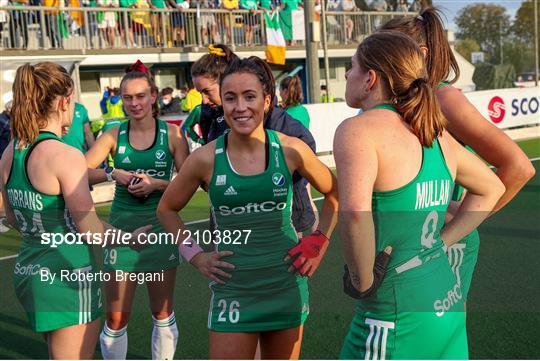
309 253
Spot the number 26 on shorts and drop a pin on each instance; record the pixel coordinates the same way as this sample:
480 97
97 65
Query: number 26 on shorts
229 314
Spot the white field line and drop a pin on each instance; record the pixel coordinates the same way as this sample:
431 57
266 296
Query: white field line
206 219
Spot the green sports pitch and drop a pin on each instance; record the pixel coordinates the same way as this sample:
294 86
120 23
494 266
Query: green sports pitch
503 316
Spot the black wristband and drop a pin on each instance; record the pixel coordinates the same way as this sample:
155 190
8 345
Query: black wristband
379 270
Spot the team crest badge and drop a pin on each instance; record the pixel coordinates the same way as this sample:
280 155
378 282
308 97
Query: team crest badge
278 179
160 155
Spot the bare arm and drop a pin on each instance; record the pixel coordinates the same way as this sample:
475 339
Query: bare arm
74 185
309 252
465 122
357 165
88 135
103 146
176 197
484 191
178 194
98 153
321 178
73 182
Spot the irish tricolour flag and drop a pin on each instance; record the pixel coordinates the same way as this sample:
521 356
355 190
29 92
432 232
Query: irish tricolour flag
275 47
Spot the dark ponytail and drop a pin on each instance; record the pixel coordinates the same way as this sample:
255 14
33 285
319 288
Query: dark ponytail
399 62
213 64
440 58
420 109
258 67
427 30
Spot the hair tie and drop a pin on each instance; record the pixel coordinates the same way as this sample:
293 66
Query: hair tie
420 17
138 66
417 82
216 51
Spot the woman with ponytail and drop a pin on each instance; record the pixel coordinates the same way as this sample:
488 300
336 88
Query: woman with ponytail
393 199
57 283
290 89
144 150
206 73
259 282
467 125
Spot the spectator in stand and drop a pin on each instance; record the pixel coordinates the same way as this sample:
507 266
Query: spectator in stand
5 138
169 104
77 17
92 21
208 22
272 5
229 5
18 25
250 19
378 5
141 21
331 20
179 21
123 26
52 19
4 20
348 5
402 6
193 98
285 18
155 20
108 21
416 6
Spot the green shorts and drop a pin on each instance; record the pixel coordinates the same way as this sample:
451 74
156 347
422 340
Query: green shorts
73 297
258 309
162 254
463 256
411 318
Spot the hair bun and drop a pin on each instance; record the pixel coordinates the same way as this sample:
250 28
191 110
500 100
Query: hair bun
138 66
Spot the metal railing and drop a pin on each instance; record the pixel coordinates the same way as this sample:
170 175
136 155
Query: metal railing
344 27
42 28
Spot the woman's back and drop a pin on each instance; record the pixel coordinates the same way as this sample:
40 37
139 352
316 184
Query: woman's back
412 187
42 215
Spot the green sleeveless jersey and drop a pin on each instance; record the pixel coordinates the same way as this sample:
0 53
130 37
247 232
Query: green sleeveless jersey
67 296
410 218
129 212
261 205
156 162
40 216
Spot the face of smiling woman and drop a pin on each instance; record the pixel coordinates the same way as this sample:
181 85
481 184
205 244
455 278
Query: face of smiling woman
138 98
244 102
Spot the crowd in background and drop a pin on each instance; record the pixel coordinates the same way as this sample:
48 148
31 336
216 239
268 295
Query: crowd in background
119 30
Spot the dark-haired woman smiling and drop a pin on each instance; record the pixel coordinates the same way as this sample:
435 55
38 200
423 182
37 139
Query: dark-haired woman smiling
248 174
